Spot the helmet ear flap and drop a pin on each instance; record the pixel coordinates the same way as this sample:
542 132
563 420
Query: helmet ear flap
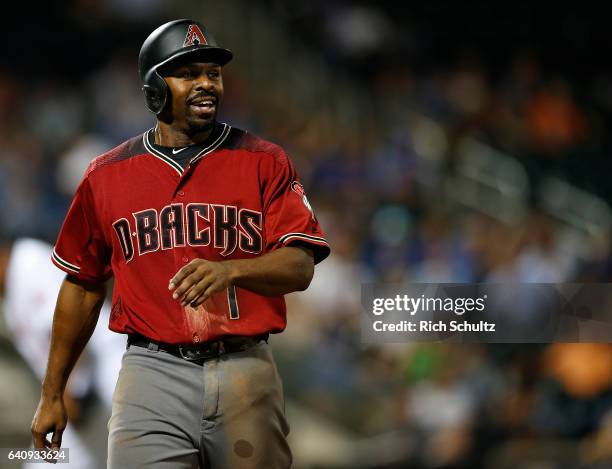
156 91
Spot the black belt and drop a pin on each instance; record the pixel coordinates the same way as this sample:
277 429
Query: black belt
200 352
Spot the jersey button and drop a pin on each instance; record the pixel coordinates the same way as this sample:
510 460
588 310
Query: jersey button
185 259
181 193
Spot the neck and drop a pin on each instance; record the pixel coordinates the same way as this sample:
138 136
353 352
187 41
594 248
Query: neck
168 136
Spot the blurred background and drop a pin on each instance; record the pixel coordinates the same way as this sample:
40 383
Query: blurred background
437 141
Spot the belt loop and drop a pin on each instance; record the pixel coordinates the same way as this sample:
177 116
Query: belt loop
153 347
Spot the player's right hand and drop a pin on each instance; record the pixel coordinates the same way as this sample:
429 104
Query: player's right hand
50 417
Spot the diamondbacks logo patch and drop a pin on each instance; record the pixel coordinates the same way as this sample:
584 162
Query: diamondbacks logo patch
194 36
299 190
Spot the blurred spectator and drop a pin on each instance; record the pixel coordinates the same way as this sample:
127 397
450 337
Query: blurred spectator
555 122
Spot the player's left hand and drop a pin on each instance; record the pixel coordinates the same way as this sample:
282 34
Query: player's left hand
198 280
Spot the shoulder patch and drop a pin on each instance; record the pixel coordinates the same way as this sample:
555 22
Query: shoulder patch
296 186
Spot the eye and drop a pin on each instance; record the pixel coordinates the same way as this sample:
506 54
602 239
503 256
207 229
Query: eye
213 74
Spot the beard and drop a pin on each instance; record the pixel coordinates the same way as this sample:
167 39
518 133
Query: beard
198 123
196 126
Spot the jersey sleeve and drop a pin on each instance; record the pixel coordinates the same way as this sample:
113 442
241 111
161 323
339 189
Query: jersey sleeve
81 249
288 216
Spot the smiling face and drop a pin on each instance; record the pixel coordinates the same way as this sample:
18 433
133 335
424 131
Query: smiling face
196 89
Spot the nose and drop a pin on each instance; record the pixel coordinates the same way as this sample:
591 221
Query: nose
203 82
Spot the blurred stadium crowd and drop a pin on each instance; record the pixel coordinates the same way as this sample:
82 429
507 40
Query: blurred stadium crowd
423 165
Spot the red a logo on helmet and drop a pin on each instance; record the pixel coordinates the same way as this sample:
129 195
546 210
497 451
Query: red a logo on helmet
194 36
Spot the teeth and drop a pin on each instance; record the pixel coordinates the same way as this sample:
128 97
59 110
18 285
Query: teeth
203 102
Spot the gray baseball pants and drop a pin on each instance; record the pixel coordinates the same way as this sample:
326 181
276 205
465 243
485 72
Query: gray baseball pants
169 413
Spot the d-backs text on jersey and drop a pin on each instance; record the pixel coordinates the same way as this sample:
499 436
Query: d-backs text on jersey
196 224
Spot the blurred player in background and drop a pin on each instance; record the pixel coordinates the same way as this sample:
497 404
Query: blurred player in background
30 284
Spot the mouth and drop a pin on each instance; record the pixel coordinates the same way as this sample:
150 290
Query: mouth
203 104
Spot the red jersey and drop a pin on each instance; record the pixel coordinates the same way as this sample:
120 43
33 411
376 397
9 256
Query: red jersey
139 215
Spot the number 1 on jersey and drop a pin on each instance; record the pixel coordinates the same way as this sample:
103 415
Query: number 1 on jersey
232 302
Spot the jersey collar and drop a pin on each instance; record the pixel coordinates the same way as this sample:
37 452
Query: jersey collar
148 137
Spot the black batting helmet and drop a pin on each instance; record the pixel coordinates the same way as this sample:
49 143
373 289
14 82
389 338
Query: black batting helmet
168 43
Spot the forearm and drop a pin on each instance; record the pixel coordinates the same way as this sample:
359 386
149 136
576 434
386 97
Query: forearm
76 314
283 271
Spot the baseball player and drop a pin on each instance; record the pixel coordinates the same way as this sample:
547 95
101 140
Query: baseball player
205 227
